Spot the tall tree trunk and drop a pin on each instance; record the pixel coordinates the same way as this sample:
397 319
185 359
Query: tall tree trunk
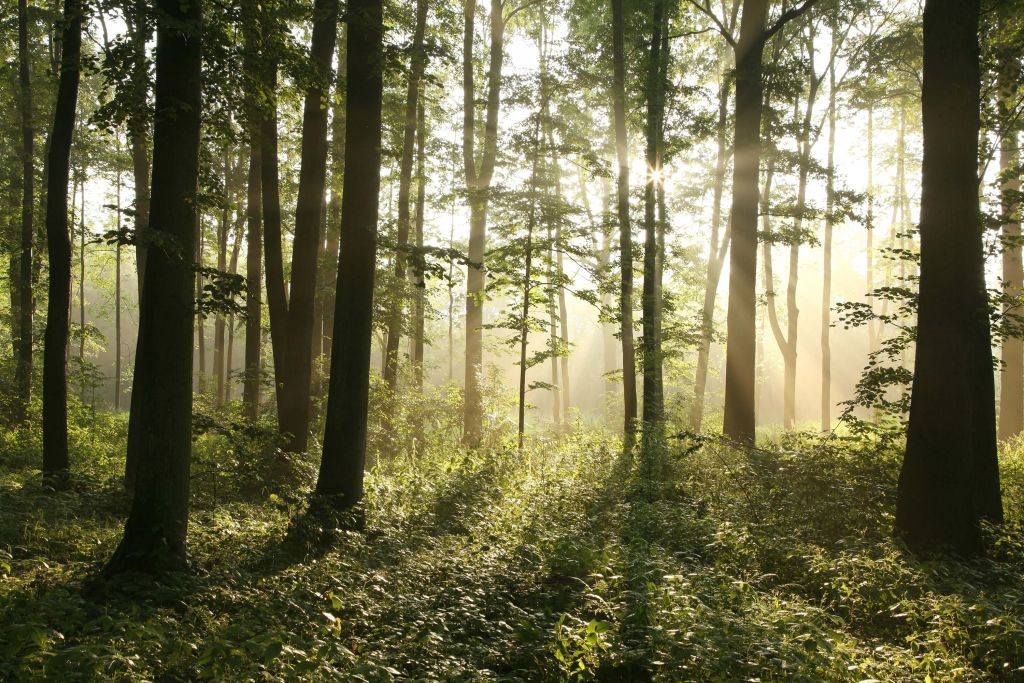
270 188
524 328
826 288
81 273
412 93
740 370
344 451
1011 395
869 248
201 322
22 326
716 258
478 184
236 249
553 345
253 276
950 475
625 229
654 409
420 293
219 326
297 371
140 26
58 243
154 535
117 300
330 275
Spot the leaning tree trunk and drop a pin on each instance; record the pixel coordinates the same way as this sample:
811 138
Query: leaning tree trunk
740 368
625 229
58 243
950 476
344 451
412 94
154 535
296 372
23 325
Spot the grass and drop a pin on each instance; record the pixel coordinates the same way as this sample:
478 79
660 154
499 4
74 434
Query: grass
560 564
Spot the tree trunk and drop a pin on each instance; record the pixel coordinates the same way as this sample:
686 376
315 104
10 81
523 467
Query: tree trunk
138 130
253 276
344 450
81 278
236 249
826 288
270 188
478 185
1011 395
201 322
219 326
950 475
330 276
412 94
117 302
22 279
420 293
625 229
154 535
740 370
524 329
58 241
869 249
294 412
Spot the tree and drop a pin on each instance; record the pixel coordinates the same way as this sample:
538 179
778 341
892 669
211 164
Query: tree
949 481
58 242
478 184
344 453
416 67
22 280
625 227
154 534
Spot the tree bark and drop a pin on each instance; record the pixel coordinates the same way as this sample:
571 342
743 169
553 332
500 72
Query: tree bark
478 184
344 451
219 325
826 287
330 275
117 301
394 324
950 475
58 241
420 293
154 535
294 411
253 276
22 327
138 130
625 229
1011 395
277 298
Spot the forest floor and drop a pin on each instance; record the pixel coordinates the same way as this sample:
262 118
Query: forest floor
560 564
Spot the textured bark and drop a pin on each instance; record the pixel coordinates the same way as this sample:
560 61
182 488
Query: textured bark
740 369
22 278
412 94
294 411
625 229
58 243
950 475
478 184
653 406
154 535
344 451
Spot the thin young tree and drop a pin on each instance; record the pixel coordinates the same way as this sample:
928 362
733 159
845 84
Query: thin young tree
950 476
58 246
340 478
154 534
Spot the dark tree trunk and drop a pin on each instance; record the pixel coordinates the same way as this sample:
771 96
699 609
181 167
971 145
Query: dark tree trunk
220 324
297 370
740 350
654 409
950 476
58 241
277 299
412 94
478 183
420 294
625 228
344 451
138 128
154 535
22 279
330 275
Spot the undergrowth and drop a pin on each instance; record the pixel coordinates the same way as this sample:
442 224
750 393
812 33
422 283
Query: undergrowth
556 564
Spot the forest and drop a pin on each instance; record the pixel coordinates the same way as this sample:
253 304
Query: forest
511 340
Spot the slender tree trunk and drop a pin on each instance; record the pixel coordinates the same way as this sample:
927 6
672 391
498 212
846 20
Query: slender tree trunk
22 327
219 326
117 302
330 275
236 249
826 288
344 451
1011 395
277 298
253 276
625 228
412 94
201 322
553 345
950 475
653 405
294 412
138 129
154 535
58 240
869 249
524 329
81 278
478 184
420 293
